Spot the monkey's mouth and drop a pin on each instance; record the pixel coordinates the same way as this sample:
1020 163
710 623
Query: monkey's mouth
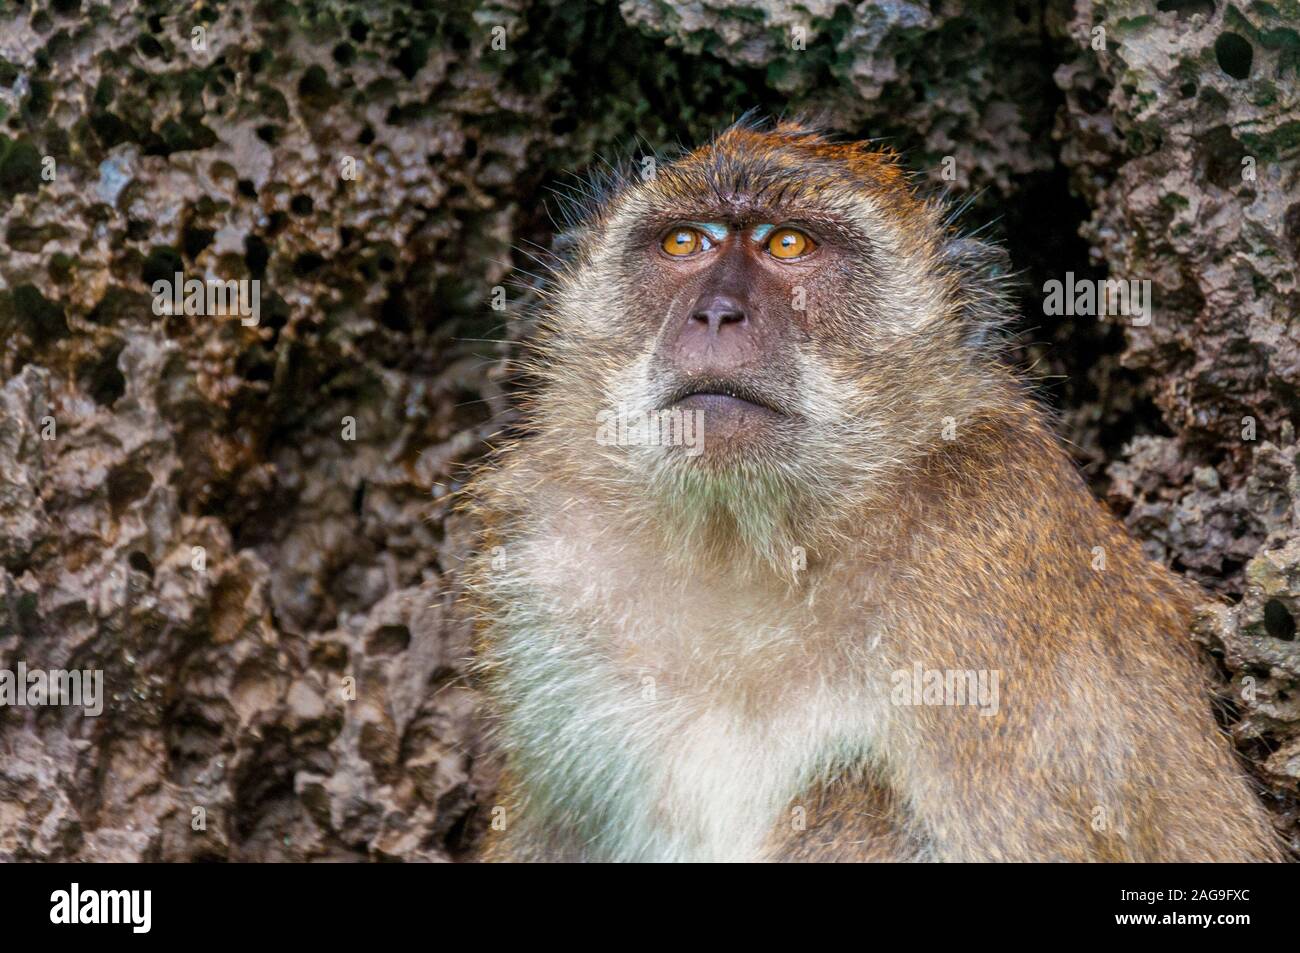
728 418
718 399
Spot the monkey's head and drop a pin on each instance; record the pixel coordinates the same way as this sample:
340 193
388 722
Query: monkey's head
794 296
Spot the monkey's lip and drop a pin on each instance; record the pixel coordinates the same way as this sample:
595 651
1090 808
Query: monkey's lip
724 404
723 397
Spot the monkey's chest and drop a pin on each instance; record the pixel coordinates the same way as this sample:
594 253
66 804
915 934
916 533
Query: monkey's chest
654 718
730 783
636 763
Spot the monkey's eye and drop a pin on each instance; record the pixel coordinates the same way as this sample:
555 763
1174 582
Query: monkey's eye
681 242
789 243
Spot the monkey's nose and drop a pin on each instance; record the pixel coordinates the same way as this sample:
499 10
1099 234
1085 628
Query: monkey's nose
715 310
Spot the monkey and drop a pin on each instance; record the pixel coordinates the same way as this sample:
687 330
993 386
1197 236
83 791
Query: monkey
832 590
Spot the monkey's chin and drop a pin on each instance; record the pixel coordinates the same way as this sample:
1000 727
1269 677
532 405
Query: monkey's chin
728 428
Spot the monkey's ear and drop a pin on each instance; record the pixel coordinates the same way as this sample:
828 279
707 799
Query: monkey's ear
565 244
580 201
983 274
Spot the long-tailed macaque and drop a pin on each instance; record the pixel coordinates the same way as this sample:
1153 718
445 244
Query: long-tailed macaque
790 567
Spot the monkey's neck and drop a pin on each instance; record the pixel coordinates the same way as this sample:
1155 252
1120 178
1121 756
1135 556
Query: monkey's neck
747 523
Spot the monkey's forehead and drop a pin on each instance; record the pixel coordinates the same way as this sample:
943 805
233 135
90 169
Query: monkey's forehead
744 173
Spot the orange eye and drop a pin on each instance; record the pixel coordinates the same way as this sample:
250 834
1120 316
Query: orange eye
683 241
789 243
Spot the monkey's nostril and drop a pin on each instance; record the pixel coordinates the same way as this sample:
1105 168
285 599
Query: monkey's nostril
718 310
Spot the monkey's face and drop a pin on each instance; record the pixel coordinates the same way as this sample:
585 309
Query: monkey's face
784 293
